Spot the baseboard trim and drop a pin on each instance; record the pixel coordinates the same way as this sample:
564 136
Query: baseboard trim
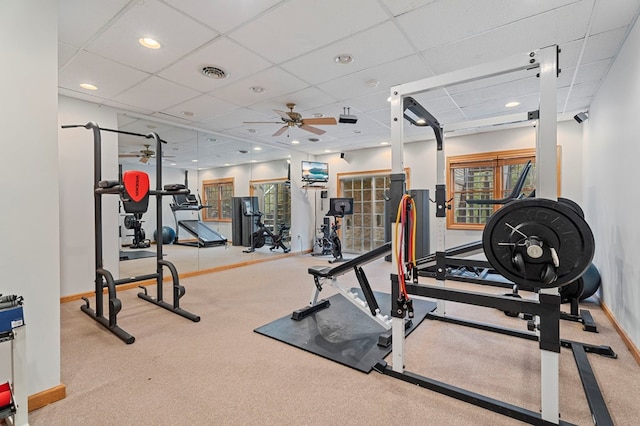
122 287
623 335
47 397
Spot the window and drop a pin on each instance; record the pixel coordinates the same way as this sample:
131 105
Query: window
274 199
484 176
364 230
218 196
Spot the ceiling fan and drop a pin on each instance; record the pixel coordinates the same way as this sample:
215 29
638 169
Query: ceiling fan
144 154
291 119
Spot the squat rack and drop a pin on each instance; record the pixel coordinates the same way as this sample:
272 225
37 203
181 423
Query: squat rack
547 307
103 277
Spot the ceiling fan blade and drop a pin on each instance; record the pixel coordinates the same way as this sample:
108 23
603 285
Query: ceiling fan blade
285 115
281 131
322 120
128 155
312 129
262 122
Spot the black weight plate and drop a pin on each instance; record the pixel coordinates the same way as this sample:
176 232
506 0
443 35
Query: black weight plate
557 225
129 221
575 206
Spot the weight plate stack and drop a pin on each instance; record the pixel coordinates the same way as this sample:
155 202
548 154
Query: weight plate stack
538 243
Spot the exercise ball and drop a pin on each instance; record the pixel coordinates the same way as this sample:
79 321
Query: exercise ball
168 235
591 279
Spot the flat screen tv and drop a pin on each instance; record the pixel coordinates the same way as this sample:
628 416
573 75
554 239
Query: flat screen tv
315 171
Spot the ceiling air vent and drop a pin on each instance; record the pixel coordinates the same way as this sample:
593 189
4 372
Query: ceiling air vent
213 72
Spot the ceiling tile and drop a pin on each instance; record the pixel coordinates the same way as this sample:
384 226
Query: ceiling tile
65 53
274 80
80 20
223 15
236 61
428 27
610 16
156 94
177 34
398 7
390 74
599 46
203 107
520 37
110 77
377 45
304 25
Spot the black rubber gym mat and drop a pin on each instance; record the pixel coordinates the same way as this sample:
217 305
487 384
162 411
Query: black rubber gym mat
138 254
342 332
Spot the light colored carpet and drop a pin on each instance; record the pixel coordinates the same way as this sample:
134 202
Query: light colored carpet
218 371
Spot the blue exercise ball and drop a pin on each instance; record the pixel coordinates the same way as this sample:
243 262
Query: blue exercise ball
168 235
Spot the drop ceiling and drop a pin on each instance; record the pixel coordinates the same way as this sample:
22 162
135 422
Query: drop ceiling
288 48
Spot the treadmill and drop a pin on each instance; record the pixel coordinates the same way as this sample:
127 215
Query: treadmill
206 237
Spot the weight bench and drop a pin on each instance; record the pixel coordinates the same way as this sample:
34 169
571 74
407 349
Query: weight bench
321 274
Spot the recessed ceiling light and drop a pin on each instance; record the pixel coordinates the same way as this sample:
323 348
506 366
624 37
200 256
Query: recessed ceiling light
227 164
149 43
295 142
188 113
194 161
373 83
327 150
213 72
343 58
88 86
173 164
389 99
512 104
257 89
254 161
384 143
257 148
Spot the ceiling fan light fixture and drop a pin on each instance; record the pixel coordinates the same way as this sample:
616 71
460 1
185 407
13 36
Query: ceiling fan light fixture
343 59
213 72
257 89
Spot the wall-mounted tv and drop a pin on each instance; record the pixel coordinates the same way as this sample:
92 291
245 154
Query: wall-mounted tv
315 171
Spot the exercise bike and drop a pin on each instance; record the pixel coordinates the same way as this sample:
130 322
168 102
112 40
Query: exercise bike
323 244
259 237
134 221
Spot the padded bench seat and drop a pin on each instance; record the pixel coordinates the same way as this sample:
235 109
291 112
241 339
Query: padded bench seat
343 268
320 271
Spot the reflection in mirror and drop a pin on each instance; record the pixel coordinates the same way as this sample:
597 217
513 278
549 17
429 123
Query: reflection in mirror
197 229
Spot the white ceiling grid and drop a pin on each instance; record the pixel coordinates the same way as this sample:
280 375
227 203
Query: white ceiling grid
288 48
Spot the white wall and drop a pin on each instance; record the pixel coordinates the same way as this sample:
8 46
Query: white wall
76 157
420 158
611 152
29 221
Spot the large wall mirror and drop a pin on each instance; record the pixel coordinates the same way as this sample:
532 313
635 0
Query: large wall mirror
200 230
